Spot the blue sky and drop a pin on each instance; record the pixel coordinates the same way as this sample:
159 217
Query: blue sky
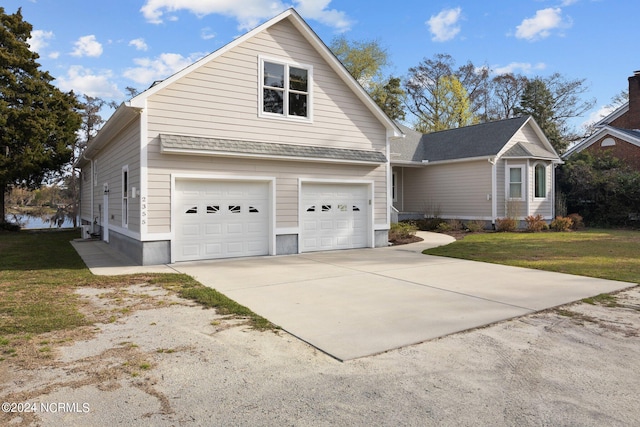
99 47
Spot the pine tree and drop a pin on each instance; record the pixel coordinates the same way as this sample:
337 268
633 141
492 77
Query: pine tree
537 101
38 122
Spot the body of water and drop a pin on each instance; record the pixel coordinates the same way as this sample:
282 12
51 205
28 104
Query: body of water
35 222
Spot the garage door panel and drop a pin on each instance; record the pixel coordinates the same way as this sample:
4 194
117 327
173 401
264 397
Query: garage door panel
219 219
334 216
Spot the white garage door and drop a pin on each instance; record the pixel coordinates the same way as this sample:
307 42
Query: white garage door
334 216
221 219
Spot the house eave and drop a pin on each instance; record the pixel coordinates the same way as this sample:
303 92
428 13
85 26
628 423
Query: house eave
610 130
211 153
123 115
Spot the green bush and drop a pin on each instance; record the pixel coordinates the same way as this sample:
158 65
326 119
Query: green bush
601 188
443 227
474 226
426 224
578 222
561 223
535 223
506 224
401 231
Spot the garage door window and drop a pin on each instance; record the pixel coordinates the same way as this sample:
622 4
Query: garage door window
213 209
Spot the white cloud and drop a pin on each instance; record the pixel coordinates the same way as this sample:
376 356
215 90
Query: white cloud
443 25
150 70
541 24
598 115
519 67
207 34
84 81
39 40
87 46
139 44
317 10
248 13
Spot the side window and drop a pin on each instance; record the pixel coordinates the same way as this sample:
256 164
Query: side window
540 173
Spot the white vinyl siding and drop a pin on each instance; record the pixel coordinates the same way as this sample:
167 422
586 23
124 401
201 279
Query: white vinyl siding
454 190
220 100
124 150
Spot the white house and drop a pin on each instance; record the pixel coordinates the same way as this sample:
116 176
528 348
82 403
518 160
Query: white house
266 146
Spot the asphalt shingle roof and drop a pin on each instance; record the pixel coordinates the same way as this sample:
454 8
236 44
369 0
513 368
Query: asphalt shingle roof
482 140
216 145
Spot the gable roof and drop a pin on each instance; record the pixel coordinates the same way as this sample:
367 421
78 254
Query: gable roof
129 110
631 136
311 37
483 140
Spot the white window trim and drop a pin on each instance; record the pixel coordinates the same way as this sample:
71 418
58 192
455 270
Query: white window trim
522 182
285 115
546 181
125 196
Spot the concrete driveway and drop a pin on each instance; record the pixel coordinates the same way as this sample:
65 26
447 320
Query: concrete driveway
356 303
360 302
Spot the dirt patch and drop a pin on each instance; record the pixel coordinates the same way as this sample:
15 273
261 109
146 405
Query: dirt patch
155 359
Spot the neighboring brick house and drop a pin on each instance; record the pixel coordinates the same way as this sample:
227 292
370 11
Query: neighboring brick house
619 132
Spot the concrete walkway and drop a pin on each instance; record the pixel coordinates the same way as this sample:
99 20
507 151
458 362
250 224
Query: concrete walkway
360 302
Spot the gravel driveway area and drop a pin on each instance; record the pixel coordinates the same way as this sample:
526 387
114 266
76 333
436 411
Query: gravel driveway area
167 362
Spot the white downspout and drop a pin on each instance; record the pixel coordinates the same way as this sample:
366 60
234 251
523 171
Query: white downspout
494 190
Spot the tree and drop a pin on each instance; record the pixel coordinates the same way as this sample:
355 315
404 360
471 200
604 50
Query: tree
454 108
537 101
601 188
389 97
552 101
506 92
429 87
38 122
442 97
366 61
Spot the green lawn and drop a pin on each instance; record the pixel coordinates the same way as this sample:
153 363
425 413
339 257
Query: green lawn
607 254
39 272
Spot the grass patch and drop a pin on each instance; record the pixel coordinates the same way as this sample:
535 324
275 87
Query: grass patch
607 300
39 272
605 254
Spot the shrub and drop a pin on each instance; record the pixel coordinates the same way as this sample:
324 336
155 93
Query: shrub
455 224
475 226
401 230
443 227
427 224
561 223
506 224
535 223
578 223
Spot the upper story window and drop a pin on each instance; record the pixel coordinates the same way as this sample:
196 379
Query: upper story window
285 90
